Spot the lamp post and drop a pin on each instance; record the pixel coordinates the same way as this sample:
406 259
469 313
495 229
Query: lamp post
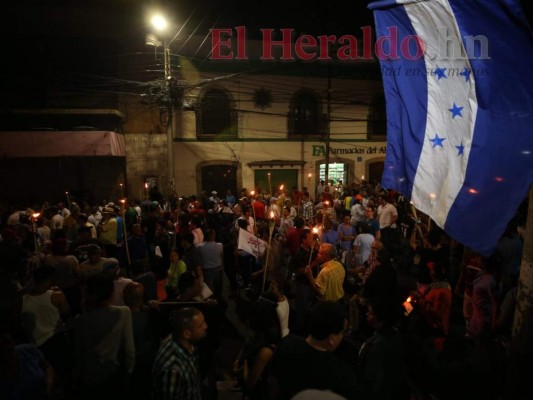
160 24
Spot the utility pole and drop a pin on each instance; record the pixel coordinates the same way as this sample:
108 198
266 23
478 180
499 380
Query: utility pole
328 125
169 96
170 114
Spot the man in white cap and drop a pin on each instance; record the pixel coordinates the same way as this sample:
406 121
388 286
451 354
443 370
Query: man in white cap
214 197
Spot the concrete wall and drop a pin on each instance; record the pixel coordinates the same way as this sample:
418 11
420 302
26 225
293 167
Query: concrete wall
146 155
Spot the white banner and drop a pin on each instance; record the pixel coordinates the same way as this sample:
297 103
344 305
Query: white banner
251 244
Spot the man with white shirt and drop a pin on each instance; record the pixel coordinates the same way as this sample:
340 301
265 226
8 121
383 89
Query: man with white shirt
56 219
65 212
363 244
14 219
273 208
387 216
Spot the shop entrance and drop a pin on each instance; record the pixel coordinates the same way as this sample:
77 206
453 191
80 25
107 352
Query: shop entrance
337 173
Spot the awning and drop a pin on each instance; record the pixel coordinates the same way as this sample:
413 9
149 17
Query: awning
61 144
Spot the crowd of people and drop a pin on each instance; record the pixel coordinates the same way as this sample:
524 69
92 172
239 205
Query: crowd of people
353 298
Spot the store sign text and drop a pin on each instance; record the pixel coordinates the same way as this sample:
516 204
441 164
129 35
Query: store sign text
320 150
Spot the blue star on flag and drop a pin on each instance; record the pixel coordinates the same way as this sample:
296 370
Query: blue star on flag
440 72
456 111
466 73
460 149
437 141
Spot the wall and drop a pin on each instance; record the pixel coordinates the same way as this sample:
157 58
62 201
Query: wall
146 156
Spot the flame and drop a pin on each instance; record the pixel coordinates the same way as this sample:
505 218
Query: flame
315 230
36 215
409 299
271 214
252 192
146 185
281 187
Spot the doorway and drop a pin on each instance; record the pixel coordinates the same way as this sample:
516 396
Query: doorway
220 178
375 171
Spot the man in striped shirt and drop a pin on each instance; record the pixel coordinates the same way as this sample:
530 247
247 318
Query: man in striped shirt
176 372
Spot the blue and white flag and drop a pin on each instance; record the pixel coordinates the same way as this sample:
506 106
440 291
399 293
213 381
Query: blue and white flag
458 79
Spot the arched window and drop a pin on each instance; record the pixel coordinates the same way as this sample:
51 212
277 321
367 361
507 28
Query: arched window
377 118
304 115
215 118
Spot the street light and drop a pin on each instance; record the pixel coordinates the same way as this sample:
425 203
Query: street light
159 22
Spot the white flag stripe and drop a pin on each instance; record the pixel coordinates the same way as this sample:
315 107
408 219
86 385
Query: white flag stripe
441 170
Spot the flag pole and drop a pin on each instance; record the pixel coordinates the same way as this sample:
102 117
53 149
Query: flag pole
520 367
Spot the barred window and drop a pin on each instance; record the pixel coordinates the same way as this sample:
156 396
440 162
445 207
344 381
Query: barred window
215 118
304 115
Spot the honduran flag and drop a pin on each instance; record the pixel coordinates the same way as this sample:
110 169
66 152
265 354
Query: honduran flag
458 79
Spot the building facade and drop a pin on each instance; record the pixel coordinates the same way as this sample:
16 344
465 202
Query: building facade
261 130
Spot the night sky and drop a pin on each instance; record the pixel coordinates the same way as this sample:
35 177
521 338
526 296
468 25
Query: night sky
67 43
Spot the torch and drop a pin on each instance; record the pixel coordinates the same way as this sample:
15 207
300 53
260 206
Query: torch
408 306
34 220
271 224
315 239
252 193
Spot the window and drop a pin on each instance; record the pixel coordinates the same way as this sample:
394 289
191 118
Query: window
377 119
215 118
304 116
